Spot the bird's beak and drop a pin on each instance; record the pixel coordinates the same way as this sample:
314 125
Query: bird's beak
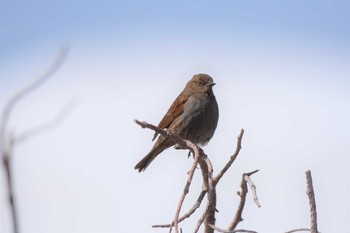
212 84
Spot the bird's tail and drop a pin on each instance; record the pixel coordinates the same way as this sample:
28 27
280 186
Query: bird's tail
159 146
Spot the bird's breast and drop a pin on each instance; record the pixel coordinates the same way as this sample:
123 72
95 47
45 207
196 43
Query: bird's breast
199 119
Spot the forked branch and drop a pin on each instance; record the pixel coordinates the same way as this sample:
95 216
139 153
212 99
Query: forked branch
7 141
209 182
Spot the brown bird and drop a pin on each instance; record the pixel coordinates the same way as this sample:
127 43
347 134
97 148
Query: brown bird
193 116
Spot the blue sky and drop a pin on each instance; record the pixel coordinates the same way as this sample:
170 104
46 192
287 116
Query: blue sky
282 74
25 24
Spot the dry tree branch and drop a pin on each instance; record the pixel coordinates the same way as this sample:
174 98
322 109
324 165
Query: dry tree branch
210 211
242 194
296 230
312 203
7 163
238 216
232 159
209 183
197 153
189 213
7 156
252 187
311 194
186 144
208 180
227 231
205 187
210 214
195 206
202 218
11 103
7 142
46 126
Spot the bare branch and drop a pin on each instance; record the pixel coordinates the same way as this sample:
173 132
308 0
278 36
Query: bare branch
189 213
204 169
202 218
242 194
311 194
186 144
181 142
312 203
197 155
7 163
11 103
234 231
55 122
296 230
210 212
209 183
7 141
252 187
232 159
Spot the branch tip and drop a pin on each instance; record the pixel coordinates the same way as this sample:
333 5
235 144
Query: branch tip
251 173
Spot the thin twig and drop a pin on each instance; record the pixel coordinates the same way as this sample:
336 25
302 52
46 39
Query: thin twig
202 218
209 183
311 194
49 125
189 213
296 230
242 194
252 187
7 163
227 231
7 142
232 159
204 164
185 144
210 215
11 103
197 155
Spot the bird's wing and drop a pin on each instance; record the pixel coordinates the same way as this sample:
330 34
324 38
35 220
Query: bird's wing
175 110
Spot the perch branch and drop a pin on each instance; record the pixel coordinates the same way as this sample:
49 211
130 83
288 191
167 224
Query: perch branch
210 211
209 183
186 144
197 154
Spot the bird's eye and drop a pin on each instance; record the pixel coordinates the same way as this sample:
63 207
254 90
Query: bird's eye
200 82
